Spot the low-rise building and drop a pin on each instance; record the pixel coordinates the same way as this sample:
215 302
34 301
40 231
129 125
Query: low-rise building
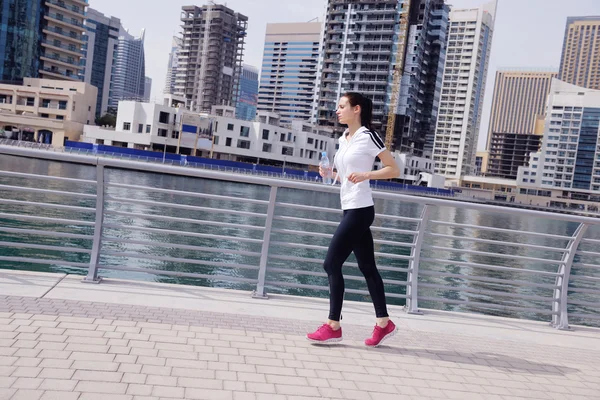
46 110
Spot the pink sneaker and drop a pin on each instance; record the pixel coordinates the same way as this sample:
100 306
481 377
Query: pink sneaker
325 334
381 334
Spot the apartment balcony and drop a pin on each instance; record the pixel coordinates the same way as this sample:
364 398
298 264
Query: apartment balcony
62 7
55 73
71 50
61 61
62 35
70 23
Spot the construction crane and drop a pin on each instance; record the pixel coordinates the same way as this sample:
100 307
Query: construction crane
398 72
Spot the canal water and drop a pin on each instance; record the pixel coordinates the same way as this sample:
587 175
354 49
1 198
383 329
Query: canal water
456 259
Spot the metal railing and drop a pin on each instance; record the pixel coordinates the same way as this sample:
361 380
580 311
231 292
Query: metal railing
126 218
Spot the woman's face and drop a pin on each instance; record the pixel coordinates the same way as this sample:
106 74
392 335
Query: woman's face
345 112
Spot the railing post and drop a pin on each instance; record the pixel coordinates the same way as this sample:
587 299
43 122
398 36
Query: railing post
92 276
262 272
412 302
561 321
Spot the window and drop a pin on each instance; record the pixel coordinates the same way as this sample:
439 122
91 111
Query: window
282 138
243 144
228 142
229 127
244 131
44 115
162 132
265 134
216 140
60 117
62 105
148 128
266 147
309 141
126 126
175 135
287 151
163 117
140 128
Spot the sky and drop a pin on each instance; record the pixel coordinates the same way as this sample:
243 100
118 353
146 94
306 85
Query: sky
527 33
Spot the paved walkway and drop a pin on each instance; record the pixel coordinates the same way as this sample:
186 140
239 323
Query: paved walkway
65 340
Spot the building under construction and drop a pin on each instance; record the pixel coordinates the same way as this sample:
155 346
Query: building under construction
210 59
365 41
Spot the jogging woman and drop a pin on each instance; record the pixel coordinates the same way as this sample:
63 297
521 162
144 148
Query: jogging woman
358 147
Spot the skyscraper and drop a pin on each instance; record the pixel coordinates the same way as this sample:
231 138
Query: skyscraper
289 70
248 96
580 61
19 51
147 88
172 67
568 161
41 38
360 51
101 39
128 80
519 101
465 73
210 60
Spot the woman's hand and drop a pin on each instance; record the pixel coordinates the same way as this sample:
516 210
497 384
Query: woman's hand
326 172
357 177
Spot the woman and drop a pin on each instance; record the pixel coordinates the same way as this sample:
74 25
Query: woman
359 145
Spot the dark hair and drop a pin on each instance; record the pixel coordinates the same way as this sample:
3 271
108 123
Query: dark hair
366 107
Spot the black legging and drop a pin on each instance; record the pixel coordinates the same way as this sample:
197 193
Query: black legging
353 234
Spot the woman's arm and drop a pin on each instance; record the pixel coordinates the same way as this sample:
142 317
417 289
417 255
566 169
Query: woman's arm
390 170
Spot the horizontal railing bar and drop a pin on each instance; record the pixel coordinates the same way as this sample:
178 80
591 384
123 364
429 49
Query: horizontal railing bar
588 253
584 290
45 177
511 231
182 233
48 205
584 316
488 305
182 246
584 265
326 288
186 193
486 292
594 241
269 182
47 219
329 236
492 267
485 253
397 218
183 206
332 223
324 275
348 264
186 220
224 278
47 191
44 247
585 278
44 261
46 233
490 280
324 248
584 303
178 260
308 208
473 239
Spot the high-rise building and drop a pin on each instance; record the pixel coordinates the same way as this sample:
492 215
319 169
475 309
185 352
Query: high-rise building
421 83
289 70
519 101
569 159
19 50
129 75
147 88
580 61
210 59
248 96
101 39
465 73
360 52
172 67
41 38
62 39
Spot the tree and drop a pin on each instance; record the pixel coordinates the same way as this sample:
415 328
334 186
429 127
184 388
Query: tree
107 119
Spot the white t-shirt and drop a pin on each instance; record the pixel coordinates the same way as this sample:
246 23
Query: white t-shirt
357 155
